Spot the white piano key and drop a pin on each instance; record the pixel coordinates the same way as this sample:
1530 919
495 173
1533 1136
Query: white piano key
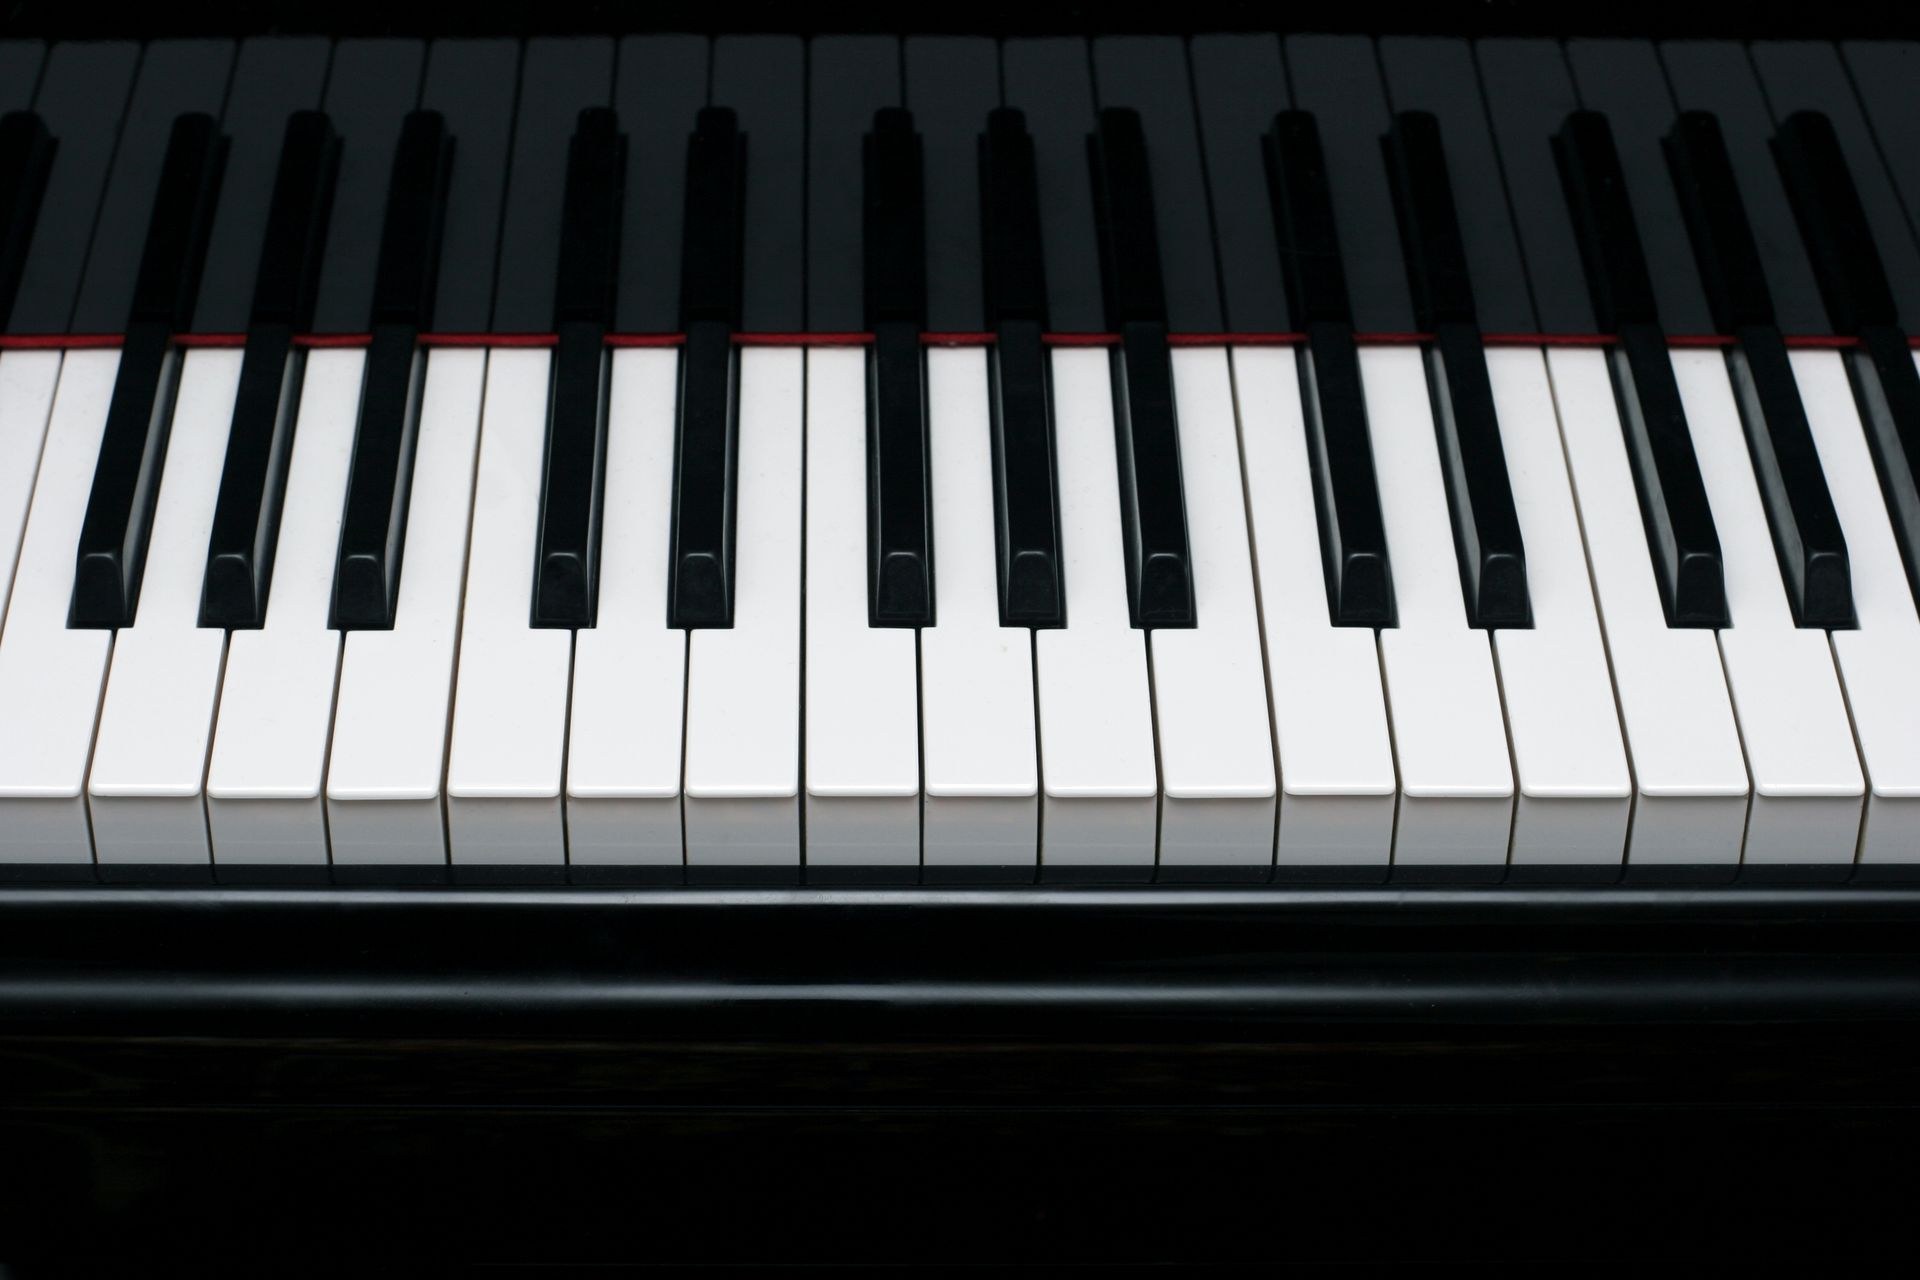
1337 782
743 682
265 779
1807 783
1570 764
1879 662
976 676
27 383
1689 776
385 805
1449 737
508 744
50 675
1099 778
630 667
146 789
1209 680
862 703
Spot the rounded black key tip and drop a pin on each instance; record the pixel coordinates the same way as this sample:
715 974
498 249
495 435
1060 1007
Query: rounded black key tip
230 598
1033 591
1829 592
1166 593
903 592
1502 598
1365 594
1700 593
699 593
561 594
99 594
360 598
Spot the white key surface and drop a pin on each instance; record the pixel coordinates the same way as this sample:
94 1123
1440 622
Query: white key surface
50 675
267 773
1337 782
27 383
1099 777
976 676
1807 782
1880 661
146 787
1689 776
1450 739
743 682
1209 680
385 770
508 748
863 714
1570 764
629 668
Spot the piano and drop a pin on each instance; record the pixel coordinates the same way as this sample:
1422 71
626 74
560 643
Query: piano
722 645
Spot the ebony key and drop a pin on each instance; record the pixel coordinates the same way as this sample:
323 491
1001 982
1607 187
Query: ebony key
1153 512
1025 500
26 157
126 483
366 582
253 481
1666 472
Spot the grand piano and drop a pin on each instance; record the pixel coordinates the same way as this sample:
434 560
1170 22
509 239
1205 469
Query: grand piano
644 635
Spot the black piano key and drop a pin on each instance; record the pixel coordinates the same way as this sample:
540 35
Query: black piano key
559 78
714 166
1805 76
1437 274
1882 74
1806 529
700 568
660 86
1337 79
82 98
1026 504
379 480
253 481
26 156
899 490
1050 83
176 77
899 497
1026 501
1716 77
1666 473
1833 223
849 79
470 83
1473 464
111 554
1148 75
1843 246
1437 76
762 80
373 527
1594 185
1679 525
1125 220
1886 386
1723 244
700 573
272 79
566 574
253 478
374 85
1486 529
1528 95
1353 539
952 84
1623 80
1239 86
1153 514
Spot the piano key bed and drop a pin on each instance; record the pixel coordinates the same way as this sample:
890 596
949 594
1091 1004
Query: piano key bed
947 461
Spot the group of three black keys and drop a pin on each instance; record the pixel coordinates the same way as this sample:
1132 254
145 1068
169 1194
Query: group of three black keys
1673 502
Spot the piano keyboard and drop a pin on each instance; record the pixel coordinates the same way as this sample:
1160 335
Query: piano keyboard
944 459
